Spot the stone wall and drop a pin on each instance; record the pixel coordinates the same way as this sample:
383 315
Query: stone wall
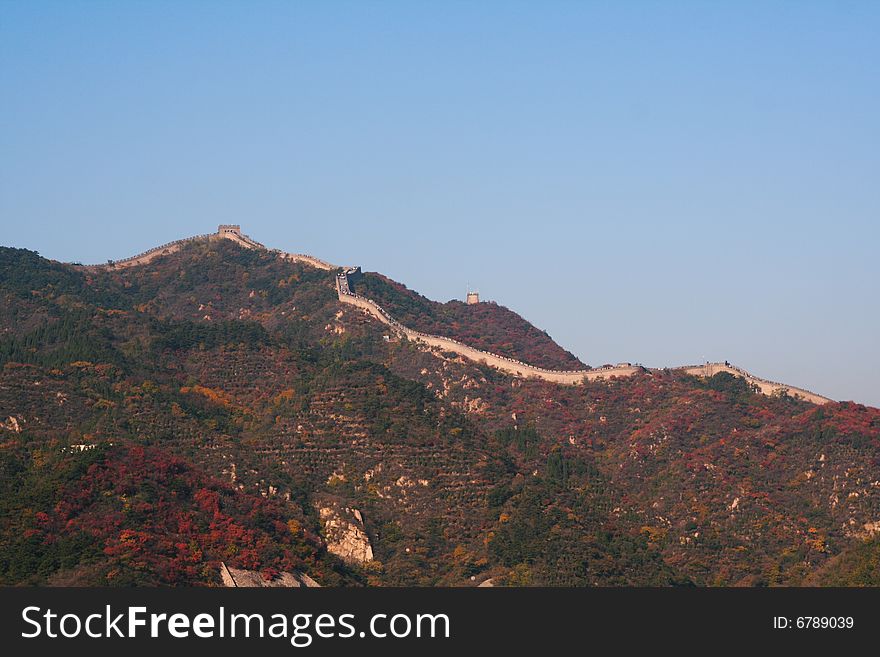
224 232
348 276
147 256
571 377
240 578
503 363
307 259
766 387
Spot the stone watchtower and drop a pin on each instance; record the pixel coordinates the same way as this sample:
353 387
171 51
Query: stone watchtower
473 298
223 229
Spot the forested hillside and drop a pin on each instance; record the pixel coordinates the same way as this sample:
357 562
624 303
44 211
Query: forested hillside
160 419
485 325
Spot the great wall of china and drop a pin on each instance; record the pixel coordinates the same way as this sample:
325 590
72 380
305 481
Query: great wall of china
502 363
224 231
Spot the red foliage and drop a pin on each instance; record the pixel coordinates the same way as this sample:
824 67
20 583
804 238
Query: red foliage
156 514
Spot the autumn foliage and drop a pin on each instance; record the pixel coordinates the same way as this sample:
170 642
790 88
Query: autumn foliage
150 518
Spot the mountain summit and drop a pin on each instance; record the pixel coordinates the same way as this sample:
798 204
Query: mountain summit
491 338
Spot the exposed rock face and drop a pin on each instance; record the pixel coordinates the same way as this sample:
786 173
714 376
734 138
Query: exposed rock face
236 577
344 532
872 529
11 424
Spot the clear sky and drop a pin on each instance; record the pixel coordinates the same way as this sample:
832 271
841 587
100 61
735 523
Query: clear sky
656 182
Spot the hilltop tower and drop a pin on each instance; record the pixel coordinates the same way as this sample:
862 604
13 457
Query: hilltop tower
473 298
224 229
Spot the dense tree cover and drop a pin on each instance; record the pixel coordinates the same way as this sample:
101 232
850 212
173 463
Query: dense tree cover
555 527
26 274
486 326
125 515
77 335
188 334
857 565
238 364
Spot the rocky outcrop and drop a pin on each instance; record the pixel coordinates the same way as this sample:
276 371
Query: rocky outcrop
238 578
12 423
344 532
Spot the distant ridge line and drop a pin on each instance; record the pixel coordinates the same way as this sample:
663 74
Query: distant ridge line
502 363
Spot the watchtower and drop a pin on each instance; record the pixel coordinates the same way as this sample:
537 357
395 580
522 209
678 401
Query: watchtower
473 298
224 229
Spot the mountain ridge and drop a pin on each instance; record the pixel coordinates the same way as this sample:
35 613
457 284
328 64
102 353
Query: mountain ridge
512 366
246 365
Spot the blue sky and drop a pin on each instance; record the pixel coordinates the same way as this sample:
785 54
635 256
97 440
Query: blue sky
656 182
